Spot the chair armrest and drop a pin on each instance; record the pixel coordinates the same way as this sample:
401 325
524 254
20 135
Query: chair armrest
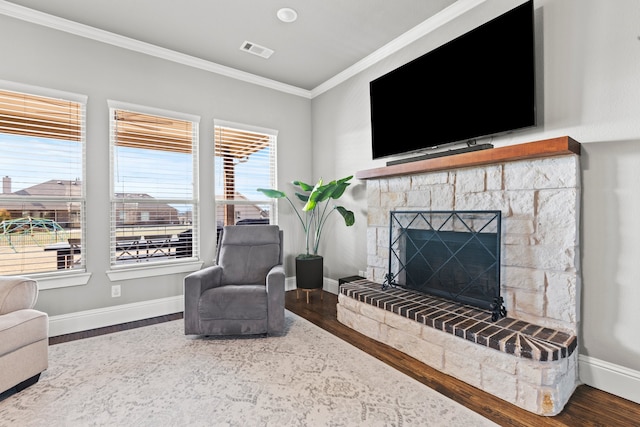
275 279
201 280
275 299
194 285
17 293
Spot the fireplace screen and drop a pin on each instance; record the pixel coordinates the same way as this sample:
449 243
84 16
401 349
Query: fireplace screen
451 254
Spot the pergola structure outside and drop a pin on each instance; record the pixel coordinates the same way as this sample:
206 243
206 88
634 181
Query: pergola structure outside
235 146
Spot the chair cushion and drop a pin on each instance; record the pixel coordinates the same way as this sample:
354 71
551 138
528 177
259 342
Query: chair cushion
234 302
248 252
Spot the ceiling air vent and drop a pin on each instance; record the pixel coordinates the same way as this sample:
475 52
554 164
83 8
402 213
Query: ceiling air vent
256 49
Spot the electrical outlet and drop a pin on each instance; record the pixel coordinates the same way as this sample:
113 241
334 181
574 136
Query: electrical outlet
115 291
362 273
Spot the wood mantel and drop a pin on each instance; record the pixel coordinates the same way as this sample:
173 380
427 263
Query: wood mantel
545 148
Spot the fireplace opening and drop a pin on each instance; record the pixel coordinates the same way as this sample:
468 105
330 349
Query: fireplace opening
450 254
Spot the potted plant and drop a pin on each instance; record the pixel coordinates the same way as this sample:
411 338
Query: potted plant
315 212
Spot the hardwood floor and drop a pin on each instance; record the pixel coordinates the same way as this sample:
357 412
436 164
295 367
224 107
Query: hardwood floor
587 407
115 328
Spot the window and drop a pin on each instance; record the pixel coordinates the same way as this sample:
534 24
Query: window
245 159
42 140
154 193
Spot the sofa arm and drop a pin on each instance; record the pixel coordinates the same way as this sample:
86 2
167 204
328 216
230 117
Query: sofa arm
17 293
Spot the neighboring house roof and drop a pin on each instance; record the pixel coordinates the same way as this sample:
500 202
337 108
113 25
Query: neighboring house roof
142 205
51 188
245 211
72 189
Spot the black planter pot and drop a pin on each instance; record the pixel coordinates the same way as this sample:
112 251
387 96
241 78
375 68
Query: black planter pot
309 273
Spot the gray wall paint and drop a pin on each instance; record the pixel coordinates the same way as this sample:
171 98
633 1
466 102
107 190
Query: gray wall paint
588 71
43 57
588 88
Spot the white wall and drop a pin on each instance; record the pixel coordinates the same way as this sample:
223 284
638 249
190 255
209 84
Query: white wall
49 58
588 70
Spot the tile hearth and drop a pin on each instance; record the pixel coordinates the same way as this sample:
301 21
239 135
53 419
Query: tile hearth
507 335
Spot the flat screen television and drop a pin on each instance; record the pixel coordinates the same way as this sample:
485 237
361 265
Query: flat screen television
478 85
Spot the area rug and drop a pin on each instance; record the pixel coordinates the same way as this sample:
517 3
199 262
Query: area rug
155 376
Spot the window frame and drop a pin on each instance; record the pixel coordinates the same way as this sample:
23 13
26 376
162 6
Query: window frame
272 133
156 268
68 277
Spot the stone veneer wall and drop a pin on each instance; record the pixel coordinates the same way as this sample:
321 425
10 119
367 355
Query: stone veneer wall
541 387
539 200
540 273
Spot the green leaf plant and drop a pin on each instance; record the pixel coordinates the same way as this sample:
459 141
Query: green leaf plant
318 206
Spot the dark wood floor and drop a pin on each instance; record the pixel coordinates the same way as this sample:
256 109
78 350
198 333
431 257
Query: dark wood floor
587 406
110 329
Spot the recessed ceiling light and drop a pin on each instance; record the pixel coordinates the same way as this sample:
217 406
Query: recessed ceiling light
286 14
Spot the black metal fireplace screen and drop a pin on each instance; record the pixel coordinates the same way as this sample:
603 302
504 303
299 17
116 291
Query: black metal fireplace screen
451 254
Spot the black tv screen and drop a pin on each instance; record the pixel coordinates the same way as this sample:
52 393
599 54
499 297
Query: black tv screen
477 85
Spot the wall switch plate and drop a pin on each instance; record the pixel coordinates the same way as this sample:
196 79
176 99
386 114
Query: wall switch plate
115 291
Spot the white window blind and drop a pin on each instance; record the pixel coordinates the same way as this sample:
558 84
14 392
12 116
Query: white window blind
42 141
154 196
245 159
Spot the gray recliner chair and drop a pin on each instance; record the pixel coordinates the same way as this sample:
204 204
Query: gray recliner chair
244 293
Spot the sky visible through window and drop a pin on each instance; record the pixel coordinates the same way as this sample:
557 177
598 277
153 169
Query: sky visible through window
28 162
160 174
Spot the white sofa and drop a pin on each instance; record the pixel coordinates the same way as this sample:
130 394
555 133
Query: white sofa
24 333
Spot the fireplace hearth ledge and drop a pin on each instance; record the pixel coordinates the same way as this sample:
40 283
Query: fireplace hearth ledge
530 366
511 336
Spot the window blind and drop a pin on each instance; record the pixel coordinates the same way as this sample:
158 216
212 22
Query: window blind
154 198
245 159
42 117
42 139
145 131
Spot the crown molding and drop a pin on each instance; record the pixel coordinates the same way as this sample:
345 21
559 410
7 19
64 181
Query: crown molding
71 27
446 15
441 18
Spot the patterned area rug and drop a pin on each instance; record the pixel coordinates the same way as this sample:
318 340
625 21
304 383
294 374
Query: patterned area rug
155 376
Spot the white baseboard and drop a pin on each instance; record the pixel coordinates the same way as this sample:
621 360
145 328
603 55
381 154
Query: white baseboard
331 285
289 283
328 285
614 379
108 316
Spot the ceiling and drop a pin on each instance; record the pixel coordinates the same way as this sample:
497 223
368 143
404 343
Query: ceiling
329 36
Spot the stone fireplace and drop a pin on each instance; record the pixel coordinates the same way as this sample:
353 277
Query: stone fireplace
529 357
